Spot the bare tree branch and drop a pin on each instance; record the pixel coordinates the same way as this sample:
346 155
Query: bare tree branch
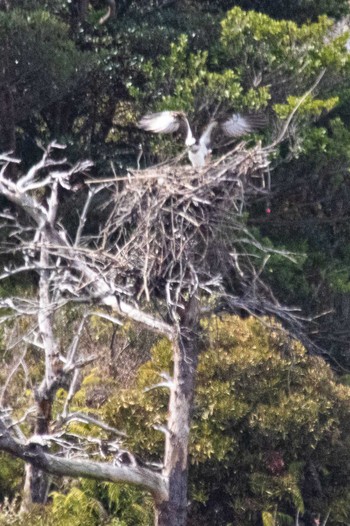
87 419
286 125
35 454
172 238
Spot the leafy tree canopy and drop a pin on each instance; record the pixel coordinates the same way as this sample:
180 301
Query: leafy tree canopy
265 412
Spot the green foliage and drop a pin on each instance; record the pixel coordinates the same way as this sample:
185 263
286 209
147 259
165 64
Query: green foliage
76 508
186 82
136 412
263 411
256 62
130 504
91 503
257 44
328 144
38 516
275 404
265 385
11 473
184 58
45 65
312 203
300 11
276 519
257 393
309 106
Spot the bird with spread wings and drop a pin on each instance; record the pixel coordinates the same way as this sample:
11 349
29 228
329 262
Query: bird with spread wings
199 148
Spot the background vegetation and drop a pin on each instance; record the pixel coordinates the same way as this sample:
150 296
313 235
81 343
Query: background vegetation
270 429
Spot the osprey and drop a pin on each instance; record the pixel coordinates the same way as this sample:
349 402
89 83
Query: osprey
199 149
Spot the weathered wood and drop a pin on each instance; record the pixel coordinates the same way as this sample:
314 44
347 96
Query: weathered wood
173 254
173 511
37 456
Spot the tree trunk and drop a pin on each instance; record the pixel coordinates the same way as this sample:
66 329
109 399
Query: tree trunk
36 487
37 481
36 484
173 512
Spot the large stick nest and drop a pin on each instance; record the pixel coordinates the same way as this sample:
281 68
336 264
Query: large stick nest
176 225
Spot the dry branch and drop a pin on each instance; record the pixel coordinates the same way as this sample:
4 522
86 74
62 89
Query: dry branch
37 456
167 218
172 238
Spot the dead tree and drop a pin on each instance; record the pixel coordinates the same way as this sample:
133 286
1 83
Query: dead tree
173 235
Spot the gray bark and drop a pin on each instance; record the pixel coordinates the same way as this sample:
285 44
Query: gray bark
173 511
36 455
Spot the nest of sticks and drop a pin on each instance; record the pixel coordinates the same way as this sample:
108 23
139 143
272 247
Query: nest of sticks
173 227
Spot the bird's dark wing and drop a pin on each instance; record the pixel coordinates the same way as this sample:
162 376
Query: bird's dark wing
163 122
238 124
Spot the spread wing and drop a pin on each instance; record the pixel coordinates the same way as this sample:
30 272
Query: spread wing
167 122
238 124
205 138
